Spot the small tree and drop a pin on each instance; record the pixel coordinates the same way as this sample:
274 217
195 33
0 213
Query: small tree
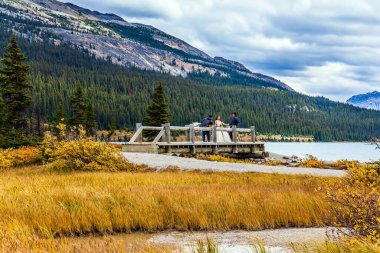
15 88
83 113
157 112
59 117
89 120
78 104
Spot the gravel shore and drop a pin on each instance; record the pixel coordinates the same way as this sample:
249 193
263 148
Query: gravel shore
275 240
164 161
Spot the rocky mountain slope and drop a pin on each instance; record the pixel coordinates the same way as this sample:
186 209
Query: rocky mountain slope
369 100
108 36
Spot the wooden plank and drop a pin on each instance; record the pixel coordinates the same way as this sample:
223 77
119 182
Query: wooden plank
136 135
243 130
140 137
208 143
159 136
152 128
177 128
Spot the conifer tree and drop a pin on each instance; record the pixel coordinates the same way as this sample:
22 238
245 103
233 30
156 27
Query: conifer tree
78 104
83 113
2 120
15 88
89 120
158 111
60 115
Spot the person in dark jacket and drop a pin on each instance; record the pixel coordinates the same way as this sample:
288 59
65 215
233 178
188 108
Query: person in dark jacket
206 122
234 121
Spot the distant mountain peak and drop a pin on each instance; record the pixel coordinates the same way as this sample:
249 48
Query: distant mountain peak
108 36
370 100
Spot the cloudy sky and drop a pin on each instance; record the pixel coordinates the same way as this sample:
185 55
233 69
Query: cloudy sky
318 47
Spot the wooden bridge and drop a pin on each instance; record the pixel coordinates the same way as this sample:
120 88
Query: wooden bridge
164 141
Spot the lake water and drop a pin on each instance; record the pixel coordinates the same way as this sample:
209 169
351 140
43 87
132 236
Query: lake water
327 151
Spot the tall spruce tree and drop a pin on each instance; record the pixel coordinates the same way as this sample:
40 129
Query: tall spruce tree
157 112
15 88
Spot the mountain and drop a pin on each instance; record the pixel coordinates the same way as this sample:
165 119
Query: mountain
369 100
108 36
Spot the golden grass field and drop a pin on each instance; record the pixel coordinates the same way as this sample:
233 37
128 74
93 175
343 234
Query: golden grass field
38 205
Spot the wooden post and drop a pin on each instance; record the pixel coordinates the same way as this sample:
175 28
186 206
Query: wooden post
253 138
253 134
167 132
139 138
234 134
192 133
234 140
192 138
214 138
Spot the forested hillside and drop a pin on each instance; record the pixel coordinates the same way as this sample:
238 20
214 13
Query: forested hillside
121 94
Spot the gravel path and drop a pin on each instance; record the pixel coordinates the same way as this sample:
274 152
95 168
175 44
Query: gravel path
164 161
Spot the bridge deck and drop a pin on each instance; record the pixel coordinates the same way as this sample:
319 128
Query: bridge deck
252 149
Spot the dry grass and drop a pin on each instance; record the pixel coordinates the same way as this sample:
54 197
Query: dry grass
102 244
36 202
341 246
38 205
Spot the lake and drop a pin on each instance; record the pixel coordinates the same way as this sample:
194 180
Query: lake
327 151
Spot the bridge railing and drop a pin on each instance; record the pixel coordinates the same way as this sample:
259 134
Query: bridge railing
165 133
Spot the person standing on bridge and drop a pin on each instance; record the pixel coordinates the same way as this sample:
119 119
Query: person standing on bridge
234 121
206 122
221 136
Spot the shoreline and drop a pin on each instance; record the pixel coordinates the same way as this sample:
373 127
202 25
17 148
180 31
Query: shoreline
187 164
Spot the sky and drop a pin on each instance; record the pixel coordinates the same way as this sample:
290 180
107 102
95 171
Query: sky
325 48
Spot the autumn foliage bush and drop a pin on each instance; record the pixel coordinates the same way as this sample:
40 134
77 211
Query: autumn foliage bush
73 151
19 157
356 201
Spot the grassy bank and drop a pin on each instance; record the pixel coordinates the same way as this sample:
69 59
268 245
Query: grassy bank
37 202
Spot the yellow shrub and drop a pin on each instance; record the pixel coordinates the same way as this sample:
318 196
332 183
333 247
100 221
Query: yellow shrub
82 153
312 162
344 164
5 161
18 157
219 158
356 201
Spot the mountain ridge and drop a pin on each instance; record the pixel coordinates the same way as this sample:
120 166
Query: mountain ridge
370 100
108 36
